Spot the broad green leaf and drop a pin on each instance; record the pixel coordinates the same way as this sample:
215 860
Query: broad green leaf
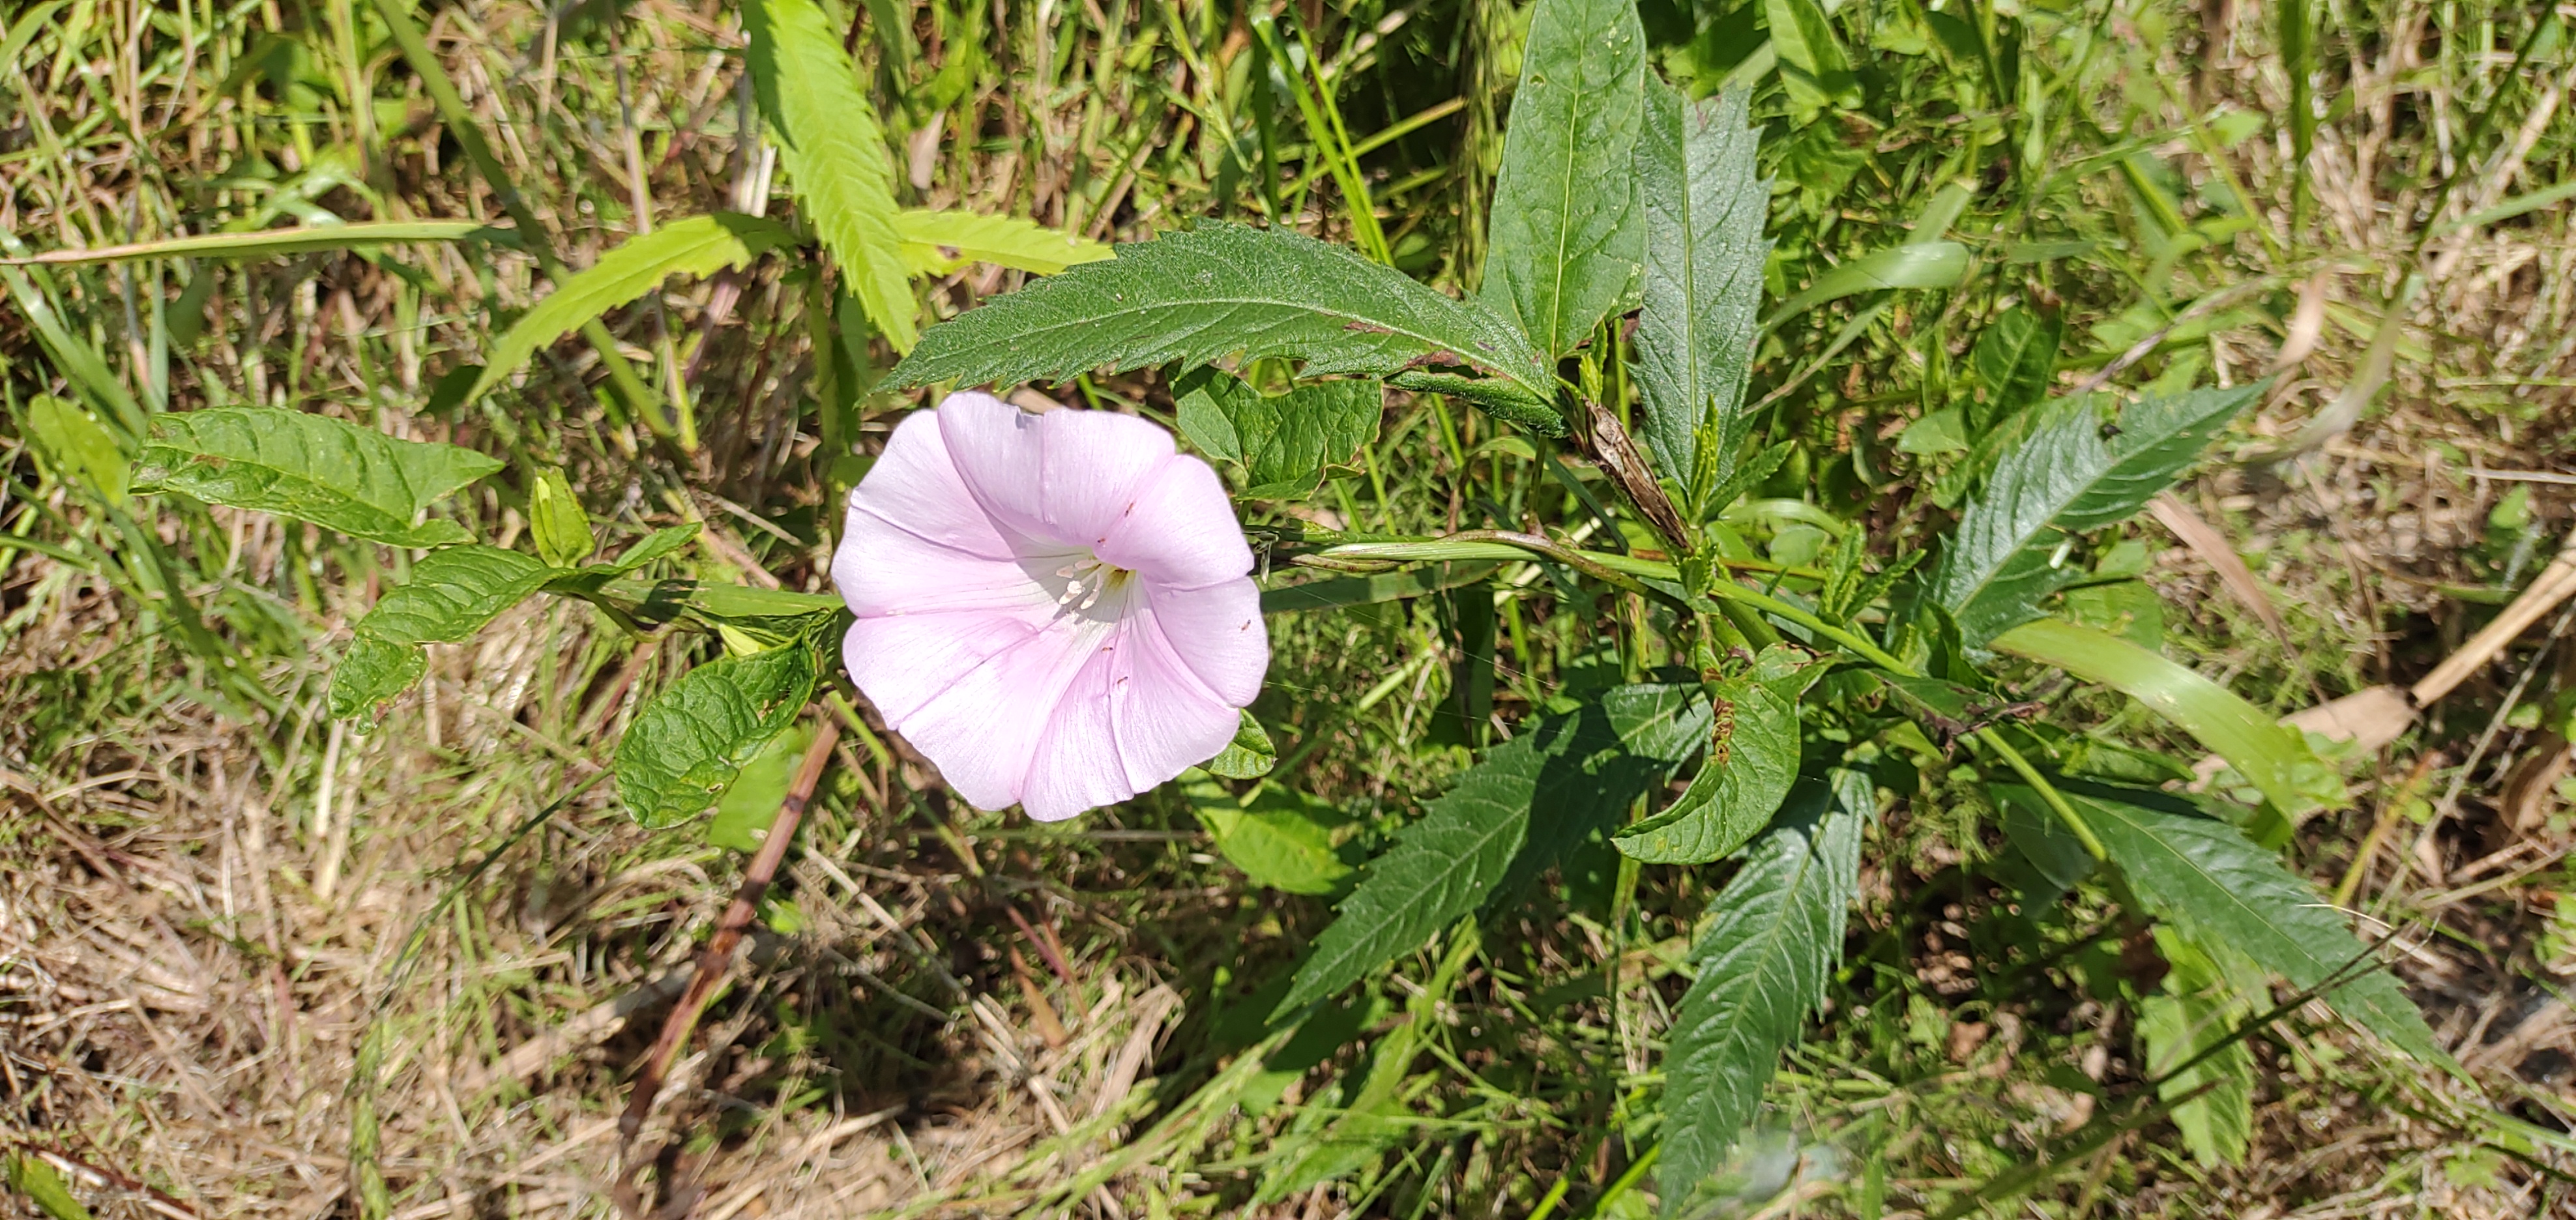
557 522
313 468
81 451
1286 442
2214 1099
938 242
1929 264
2221 890
2066 478
1752 759
591 577
2272 756
1280 838
835 152
750 804
1812 62
1704 250
373 673
452 593
1480 836
1221 290
688 742
1249 756
2014 361
697 246
74 356
45 1188
1776 932
1565 237
266 243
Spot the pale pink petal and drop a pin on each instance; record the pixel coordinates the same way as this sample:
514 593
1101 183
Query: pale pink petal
1065 476
1166 719
884 569
1180 530
904 661
985 728
914 485
1076 765
1217 631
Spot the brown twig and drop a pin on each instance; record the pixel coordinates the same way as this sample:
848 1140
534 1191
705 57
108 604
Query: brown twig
717 958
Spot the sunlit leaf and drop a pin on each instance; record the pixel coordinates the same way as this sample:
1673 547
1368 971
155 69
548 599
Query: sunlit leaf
1280 839
1931 264
1284 442
688 742
1752 759
1565 236
557 521
1704 250
938 242
835 153
81 451
313 468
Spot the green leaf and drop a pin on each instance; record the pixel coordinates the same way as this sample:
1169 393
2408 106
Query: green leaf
835 152
1286 442
1479 837
452 593
1752 760
1704 252
750 804
1221 290
688 742
1565 238
2014 361
556 521
373 673
1280 838
2203 876
1929 264
313 468
938 242
44 1188
2065 478
301 239
81 451
1775 933
697 246
2271 755
1812 63
2213 1099
1249 756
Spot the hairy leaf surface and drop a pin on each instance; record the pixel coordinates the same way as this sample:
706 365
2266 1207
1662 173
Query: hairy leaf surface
836 154
687 743
2066 478
1704 203
314 468
2219 888
1565 238
696 246
1776 933
1215 291
452 593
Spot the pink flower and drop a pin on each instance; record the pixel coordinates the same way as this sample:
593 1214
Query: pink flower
1056 609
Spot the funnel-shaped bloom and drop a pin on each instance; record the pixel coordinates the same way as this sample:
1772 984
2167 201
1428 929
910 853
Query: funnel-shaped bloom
1056 609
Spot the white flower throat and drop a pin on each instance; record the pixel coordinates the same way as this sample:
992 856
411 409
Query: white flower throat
1086 579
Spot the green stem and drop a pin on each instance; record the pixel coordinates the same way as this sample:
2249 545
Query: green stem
2047 792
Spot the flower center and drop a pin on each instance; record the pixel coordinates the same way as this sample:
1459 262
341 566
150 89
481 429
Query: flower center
1086 579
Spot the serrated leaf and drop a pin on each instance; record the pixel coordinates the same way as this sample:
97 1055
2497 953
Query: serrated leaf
697 246
835 152
452 593
1279 839
688 742
1249 756
2063 479
79 449
2271 755
1284 442
557 522
1565 237
2014 361
1928 264
936 242
313 468
1480 837
1705 202
1220 290
2220 889
1776 932
1752 760
373 673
